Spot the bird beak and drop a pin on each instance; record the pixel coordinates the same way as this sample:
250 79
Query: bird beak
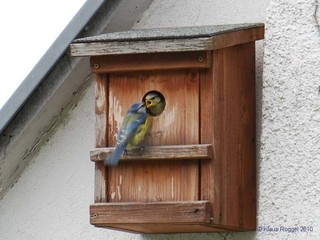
148 103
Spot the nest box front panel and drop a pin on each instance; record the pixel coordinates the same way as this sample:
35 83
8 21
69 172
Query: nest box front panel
168 180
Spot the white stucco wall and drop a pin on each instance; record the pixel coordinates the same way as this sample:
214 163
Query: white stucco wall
51 198
289 185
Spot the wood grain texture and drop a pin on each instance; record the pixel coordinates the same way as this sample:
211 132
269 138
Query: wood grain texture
231 177
145 61
157 212
248 137
208 110
207 172
236 38
101 106
222 40
179 124
130 47
171 152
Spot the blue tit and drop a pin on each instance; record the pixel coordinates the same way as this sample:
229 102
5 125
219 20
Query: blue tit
132 131
155 102
136 123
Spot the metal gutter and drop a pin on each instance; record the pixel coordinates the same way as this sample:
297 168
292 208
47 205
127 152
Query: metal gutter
47 62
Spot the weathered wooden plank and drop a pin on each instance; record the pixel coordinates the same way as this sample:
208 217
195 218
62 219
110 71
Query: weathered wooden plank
164 180
153 212
235 38
129 47
101 110
145 61
171 152
233 112
208 174
222 40
247 136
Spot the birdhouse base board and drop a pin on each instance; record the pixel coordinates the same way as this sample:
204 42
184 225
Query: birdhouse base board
157 217
197 212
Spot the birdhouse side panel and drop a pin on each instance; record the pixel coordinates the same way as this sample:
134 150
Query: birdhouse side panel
230 177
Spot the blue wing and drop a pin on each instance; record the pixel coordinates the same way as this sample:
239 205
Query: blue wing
136 116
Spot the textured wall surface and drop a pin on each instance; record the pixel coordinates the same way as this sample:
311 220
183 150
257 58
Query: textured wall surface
290 148
51 198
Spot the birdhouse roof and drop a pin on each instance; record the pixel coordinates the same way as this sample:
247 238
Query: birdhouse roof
194 38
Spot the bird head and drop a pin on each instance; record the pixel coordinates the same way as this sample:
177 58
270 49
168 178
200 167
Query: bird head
155 102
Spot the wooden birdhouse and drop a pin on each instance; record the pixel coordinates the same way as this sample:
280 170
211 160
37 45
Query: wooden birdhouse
196 171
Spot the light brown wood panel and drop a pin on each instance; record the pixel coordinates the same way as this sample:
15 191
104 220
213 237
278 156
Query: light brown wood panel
178 124
147 61
231 177
207 172
101 110
154 212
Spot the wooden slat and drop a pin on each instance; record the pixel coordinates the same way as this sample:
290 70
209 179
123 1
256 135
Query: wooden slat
222 40
171 152
101 110
248 136
233 132
153 212
207 172
145 61
147 46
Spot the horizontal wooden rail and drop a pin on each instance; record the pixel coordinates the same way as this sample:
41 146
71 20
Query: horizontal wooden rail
186 212
145 61
170 152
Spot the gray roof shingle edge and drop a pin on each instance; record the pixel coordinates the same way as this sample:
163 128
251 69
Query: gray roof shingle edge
167 33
